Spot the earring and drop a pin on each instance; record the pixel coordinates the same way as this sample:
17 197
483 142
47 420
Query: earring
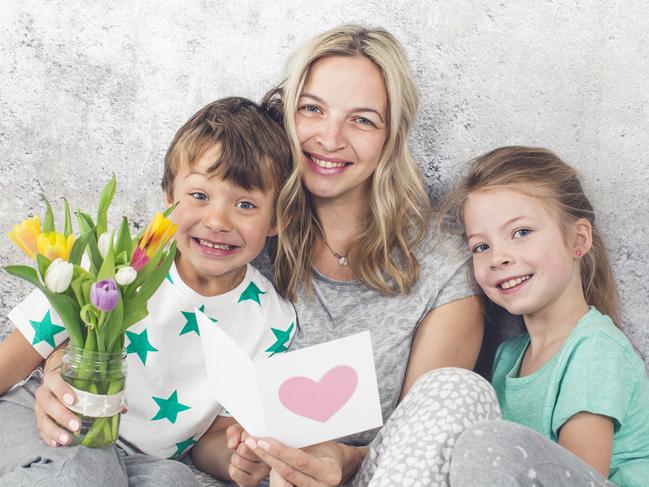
578 253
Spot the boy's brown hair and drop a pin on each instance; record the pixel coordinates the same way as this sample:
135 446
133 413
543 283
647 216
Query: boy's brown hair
254 151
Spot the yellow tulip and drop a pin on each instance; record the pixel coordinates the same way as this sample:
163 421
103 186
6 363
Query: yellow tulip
54 245
24 235
156 235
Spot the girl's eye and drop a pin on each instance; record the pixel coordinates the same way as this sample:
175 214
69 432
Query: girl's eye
478 249
197 195
523 232
245 205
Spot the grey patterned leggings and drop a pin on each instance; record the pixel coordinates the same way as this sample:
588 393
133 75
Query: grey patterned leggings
508 454
447 432
414 446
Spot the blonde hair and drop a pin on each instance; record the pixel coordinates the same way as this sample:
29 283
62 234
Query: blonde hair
399 207
543 169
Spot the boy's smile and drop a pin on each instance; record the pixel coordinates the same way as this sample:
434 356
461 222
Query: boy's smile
221 226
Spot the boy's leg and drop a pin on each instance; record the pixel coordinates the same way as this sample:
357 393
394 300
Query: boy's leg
509 454
146 471
25 460
414 446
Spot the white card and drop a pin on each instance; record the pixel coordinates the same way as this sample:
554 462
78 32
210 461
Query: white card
299 398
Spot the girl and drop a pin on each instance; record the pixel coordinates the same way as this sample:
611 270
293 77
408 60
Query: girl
573 378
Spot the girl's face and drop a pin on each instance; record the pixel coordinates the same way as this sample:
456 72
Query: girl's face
341 123
520 257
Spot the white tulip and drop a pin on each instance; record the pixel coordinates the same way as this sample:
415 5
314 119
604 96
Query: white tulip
125 276
103 242
59 275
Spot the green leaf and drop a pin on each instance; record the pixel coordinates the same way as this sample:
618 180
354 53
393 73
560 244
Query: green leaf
112 328
85 225
104 202
43 263
133 308
79 277
121 259
107 270
85 221
66 307
68 219
48 223
79 247
168 211
124 242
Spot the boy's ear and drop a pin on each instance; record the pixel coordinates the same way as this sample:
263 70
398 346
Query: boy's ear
168 199
583 240
272 231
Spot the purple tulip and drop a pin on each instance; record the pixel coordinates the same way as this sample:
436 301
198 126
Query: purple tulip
104 295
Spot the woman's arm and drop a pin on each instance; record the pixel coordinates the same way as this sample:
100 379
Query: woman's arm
590 437
17 359
325 464
449 336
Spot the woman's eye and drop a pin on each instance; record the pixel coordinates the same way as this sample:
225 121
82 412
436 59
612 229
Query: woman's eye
523 232
245 205
478 249
365 121
310 108
197 195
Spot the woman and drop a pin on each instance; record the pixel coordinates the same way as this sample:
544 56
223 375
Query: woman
356 252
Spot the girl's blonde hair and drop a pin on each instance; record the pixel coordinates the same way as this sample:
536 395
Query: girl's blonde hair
544 170
399 208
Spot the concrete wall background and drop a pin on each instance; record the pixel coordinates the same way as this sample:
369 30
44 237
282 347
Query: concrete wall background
90 88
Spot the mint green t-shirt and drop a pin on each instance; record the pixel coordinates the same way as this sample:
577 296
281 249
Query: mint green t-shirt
597 371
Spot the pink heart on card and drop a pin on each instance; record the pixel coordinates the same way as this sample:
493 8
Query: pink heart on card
319 400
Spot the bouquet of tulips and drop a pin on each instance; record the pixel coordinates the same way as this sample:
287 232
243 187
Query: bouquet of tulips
97 297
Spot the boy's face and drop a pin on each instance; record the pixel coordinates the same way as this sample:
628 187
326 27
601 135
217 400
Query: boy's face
221 227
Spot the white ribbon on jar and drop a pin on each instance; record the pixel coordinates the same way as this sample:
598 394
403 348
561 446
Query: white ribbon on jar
98 405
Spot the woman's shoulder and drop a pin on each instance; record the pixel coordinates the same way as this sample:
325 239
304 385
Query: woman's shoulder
443 244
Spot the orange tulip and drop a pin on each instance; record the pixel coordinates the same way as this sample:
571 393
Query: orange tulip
25 234
156 235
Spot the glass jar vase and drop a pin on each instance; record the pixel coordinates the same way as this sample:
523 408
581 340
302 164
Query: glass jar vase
98 380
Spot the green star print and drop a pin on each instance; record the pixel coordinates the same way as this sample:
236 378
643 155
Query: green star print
252 293
169 408
192 323
282 336
182 446
45 330
140 344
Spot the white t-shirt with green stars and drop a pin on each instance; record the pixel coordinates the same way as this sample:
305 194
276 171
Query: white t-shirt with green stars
169 403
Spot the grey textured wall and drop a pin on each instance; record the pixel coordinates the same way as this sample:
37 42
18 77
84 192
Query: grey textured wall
90 88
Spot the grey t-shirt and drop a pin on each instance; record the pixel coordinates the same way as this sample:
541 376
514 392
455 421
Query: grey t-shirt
341 308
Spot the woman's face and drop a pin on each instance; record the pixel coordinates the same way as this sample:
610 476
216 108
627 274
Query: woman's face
341 122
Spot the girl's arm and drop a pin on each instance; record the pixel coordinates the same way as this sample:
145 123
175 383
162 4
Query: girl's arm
449 336
17 359
590 437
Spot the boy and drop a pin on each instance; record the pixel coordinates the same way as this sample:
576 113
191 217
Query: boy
224 168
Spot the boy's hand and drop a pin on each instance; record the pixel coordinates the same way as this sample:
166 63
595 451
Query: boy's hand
50 407
246 469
